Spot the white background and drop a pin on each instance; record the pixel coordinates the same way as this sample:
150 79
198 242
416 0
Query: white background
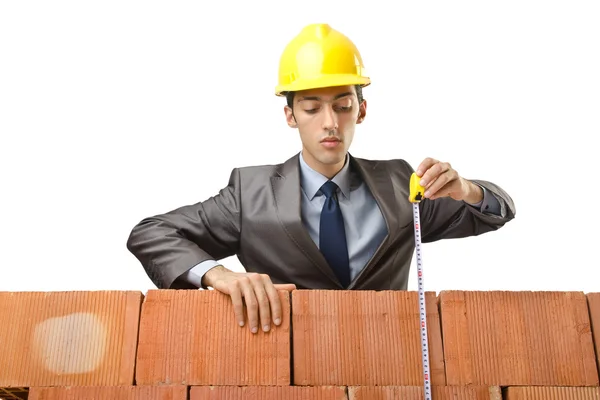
116 110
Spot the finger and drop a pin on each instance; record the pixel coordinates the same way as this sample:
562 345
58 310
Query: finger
285 286
432 189
447 190
263 301
251 304
442 186
236 298
425 165
433 172
426 193
273 299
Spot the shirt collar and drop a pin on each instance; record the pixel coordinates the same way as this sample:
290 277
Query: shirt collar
312 180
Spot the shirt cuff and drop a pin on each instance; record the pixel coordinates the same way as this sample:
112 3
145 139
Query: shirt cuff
195 274
489 204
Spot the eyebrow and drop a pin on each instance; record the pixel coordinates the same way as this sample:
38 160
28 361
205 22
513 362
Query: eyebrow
318 98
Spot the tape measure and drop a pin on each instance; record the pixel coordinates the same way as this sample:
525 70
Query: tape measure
416 195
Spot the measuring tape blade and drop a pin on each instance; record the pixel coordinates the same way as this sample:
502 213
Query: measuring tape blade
416 195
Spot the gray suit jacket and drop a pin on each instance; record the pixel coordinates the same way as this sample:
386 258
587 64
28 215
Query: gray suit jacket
257 217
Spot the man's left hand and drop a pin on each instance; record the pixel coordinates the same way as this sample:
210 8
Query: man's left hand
440 180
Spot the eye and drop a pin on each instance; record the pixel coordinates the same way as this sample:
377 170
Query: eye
344 109
312 110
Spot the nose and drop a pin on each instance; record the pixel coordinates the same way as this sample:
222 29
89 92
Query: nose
329 119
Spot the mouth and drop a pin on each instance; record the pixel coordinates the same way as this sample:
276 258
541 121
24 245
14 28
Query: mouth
331 142
330 139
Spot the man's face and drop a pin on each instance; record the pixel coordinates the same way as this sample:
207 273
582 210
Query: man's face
326 119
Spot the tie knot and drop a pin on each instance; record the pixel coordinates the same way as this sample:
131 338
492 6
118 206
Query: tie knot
329 188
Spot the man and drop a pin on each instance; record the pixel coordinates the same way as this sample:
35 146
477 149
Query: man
323 219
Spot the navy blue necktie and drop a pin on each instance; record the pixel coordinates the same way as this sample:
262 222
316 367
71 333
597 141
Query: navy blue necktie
332 235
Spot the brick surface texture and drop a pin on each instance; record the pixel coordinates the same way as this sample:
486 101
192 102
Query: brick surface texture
363 338
594 308
68 338
332 345
416 393
517 338
191 337
552 393
110 393
267 393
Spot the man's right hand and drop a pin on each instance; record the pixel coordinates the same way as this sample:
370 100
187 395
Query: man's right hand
257 291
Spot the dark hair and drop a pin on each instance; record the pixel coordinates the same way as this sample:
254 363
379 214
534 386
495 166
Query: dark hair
290 96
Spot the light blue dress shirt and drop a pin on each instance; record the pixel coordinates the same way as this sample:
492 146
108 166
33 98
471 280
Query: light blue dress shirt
363 220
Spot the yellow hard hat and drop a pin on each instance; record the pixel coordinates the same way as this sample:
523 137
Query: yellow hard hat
319 56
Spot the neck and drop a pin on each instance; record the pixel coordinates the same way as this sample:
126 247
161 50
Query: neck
327 170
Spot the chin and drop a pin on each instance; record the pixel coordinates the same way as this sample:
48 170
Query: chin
333 158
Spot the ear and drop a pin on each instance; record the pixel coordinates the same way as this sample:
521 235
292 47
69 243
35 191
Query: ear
362 112
289 117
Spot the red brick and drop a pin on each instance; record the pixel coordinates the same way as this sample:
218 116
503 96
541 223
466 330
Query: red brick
594 309
552 393
517 338
416 393
112 393
191 337
68 338
267 393
363 338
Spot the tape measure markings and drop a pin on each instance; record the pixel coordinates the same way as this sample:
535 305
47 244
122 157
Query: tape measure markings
416 195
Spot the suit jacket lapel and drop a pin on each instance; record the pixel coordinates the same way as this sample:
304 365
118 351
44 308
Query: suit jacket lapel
377 178
286 190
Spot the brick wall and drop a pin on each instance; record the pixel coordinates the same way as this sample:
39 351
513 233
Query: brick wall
361 345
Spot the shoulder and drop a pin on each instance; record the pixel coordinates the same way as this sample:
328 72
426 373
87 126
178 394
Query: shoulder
260 170
264 172
392 165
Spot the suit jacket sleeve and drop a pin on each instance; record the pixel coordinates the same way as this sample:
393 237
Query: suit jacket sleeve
446 218
168 245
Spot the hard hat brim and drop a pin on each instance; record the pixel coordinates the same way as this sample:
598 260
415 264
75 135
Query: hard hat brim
322 82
